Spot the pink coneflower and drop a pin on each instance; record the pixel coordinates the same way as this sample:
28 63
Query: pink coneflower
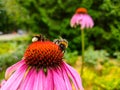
82 18
42 68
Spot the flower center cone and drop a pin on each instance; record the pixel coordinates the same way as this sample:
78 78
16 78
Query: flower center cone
43 54
81 10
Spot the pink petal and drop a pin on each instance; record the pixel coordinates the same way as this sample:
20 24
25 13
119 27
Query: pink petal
15 80
26 79
91 22
66 79
75 20
30 79
39 79
13 68
2 83
48 83
86 21
83 22
42 81
59 82
74 76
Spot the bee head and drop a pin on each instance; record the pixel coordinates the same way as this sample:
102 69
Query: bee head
62 43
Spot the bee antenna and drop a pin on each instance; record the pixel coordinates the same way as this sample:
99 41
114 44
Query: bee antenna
60 37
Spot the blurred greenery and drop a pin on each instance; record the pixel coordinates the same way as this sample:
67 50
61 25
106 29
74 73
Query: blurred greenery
71 57
52 18
93 57
108 80
12 51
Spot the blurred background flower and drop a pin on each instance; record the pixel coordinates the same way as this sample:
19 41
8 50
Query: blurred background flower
82 18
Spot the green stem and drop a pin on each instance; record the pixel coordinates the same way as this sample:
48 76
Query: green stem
83 45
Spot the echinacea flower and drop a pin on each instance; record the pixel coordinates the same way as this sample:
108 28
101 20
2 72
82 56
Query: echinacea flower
42 68
82 18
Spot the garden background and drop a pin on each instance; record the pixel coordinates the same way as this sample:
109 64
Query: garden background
51 18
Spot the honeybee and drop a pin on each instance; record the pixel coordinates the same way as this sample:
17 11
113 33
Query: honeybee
62 43
39 37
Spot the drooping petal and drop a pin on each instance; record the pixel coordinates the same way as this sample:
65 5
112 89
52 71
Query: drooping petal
26 78
43 81
82 19
2 83
74 76
39 80
15 80
83 22
30 79
87 24
75 20
66 79
86 21
59 83
12 69
48 83
91 22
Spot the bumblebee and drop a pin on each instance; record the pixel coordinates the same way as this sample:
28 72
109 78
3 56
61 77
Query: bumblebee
62 43
39 37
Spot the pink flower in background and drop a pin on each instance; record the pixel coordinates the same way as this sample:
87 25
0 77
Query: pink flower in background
42 68
82 18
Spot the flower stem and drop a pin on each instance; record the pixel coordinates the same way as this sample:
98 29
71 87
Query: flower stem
83 45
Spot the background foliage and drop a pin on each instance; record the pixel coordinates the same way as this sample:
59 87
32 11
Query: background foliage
52 19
